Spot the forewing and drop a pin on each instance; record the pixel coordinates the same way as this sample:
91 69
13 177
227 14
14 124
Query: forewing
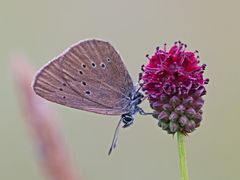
89 76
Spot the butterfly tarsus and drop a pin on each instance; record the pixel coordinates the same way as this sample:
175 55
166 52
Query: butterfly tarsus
142 112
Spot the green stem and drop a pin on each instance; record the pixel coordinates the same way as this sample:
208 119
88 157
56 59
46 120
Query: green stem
182 156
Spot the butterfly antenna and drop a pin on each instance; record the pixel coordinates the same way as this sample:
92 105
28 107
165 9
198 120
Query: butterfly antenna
115 137
140 86
145 97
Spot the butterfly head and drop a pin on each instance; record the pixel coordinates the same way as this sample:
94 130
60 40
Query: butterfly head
127 119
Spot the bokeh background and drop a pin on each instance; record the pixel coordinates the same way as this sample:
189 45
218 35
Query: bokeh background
42 29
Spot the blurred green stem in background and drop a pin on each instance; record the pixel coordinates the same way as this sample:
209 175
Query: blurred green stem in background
182 156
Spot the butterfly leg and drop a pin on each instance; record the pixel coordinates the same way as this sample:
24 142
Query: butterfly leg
142 112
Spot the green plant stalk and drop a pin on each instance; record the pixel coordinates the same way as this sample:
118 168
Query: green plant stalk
182 156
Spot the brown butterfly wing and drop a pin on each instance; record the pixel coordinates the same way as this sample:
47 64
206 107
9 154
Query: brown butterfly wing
89 76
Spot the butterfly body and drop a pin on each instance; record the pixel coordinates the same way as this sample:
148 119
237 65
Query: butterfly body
127 118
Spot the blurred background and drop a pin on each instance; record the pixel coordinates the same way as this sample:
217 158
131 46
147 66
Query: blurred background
40 30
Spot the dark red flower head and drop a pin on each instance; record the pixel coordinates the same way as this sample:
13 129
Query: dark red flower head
173 81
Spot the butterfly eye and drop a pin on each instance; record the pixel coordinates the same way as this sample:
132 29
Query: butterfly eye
60 89
84 66
108 60
80 72
84 83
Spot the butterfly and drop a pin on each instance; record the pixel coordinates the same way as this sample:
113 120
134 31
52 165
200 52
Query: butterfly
91 76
